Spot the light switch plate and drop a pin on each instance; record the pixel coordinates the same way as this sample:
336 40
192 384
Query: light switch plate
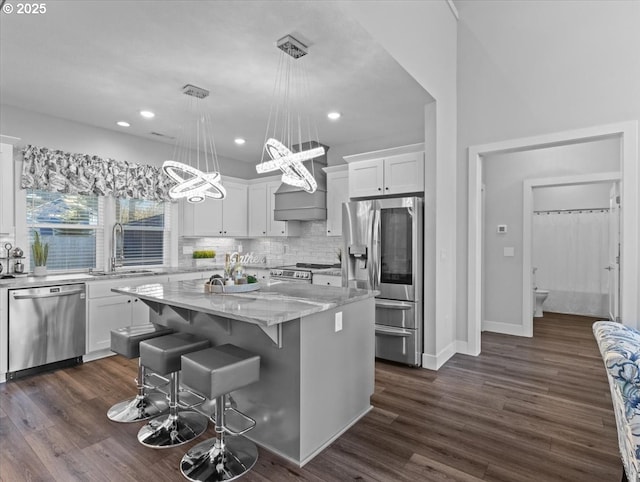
338 321
509 251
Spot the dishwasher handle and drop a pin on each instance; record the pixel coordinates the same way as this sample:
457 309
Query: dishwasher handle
47 295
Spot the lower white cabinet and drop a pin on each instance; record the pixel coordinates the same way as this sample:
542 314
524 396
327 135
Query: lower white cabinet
111 313
326 280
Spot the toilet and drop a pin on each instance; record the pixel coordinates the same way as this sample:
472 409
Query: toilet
541 296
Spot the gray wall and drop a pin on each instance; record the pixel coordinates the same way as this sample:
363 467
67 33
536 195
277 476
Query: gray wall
580 196
503 177
530 68
56 133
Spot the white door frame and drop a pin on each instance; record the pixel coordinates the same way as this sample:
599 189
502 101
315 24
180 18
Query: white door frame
629 185
527 231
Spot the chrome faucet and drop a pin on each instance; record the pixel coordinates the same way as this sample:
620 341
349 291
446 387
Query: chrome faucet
117 232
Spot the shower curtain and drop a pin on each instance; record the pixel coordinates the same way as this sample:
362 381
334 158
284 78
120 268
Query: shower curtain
570 252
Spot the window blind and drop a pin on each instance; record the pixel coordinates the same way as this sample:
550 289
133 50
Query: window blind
70 224
146 230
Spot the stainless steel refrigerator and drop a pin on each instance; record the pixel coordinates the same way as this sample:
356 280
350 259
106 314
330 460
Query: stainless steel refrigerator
383 250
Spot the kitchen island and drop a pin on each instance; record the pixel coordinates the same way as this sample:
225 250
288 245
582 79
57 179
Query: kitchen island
316 345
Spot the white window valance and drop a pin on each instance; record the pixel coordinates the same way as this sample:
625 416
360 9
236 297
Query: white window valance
59 171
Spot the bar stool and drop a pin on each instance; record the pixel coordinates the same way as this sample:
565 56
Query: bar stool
126 342
214 373
162 355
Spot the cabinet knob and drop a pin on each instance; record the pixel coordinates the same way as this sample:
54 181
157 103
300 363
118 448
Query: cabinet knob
220 232
225 232
379 189
328 230
136 300
128 301
386 188
282 232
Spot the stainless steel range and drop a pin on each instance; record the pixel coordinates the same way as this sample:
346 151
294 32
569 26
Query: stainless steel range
300 272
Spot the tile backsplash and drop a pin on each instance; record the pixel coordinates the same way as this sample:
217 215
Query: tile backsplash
312 246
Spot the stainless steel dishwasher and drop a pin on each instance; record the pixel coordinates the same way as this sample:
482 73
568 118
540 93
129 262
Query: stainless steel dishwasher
47 325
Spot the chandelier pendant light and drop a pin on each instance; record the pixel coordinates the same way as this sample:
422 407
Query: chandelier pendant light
288 121
194 166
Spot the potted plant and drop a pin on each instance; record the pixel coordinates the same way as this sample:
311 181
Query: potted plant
204 257
40 253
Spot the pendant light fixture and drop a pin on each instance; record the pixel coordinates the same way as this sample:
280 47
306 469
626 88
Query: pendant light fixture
194 166
288 122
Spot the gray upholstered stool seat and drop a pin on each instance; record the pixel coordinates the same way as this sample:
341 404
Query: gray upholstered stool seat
162 355
214 373
126 342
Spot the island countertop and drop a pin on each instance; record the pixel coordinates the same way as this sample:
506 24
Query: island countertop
272 304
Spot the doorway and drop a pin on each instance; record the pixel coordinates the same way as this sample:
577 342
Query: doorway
627 134
608 179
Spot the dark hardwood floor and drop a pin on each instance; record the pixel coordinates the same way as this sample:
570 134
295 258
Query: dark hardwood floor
526 409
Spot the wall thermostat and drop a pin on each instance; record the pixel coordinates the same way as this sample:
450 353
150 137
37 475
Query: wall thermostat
502 229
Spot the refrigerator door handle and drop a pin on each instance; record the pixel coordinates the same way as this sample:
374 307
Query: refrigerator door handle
375 247
390 331
394 305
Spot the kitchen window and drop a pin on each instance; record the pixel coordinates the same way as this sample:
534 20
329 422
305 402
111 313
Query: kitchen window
70 224
146 231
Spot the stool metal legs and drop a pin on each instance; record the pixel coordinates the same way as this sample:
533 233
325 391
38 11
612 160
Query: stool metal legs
141 407
176 428
220 458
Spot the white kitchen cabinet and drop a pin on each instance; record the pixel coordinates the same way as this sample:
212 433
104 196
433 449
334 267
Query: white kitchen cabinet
261 204
106 314
109 311
7 224
216 218
258 209
386 173
4 333
326 280
337 193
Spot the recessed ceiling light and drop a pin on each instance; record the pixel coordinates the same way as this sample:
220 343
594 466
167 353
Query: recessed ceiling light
333 115
239 141
123 124
147 114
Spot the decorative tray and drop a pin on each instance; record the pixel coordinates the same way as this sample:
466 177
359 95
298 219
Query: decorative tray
230 289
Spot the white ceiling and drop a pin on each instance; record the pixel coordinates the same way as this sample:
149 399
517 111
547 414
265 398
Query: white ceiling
98 62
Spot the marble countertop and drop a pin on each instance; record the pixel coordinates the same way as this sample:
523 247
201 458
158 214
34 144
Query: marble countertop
273 303
26 281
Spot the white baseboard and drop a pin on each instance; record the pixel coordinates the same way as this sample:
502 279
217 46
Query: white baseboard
431 362
96 355
462 347
504 328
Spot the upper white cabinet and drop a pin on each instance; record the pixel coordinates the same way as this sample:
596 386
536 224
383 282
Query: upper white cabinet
337 193
7 223
387 173
258 209
218 218
261 204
